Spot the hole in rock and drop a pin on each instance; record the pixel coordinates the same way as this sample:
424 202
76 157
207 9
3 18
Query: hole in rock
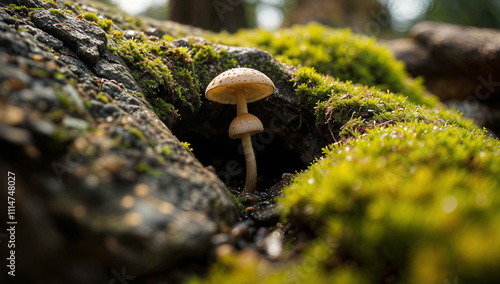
213 147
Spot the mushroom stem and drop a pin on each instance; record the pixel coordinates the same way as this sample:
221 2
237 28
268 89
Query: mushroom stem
251 165
241 101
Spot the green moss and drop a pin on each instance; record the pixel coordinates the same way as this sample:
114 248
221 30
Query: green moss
394 200
91 17
103 97
142 167
138 133
187 145
87 104
167 150
156 173
414 197
348 109
105 24
73 7
57 13
66 10
336 52
414 202
237 203
64 100
59 76
172 79
246 267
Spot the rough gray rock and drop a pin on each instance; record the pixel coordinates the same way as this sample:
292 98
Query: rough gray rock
30 3
86 40
102 182
115 71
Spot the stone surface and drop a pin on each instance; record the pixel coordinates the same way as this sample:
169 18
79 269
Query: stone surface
103 184
86 40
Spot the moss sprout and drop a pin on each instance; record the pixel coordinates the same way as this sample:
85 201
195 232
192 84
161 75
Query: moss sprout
57 13
187 145
105 24
136 132
167 150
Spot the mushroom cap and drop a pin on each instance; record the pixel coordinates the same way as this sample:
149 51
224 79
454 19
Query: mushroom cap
245 123
223 88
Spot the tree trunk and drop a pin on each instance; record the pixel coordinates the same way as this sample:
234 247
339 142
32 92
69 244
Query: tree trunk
214 15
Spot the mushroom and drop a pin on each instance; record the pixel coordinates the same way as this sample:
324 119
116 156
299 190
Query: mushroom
240 86
244 126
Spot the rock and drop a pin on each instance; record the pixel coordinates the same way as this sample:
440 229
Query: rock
117 72
459 64
29 3
466 47
86 40
99 174
44 37
417 57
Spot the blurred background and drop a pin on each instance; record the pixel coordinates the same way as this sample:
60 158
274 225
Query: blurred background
439 54
385 18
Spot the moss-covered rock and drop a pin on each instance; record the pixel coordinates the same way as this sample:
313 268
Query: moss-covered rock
173 78
407 194
336 52
405 190
417 198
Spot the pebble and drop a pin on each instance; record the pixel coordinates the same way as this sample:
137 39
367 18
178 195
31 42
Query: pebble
14 84
12 115
15 135
220 239
75 123
224 250
273 244
240 229
37 58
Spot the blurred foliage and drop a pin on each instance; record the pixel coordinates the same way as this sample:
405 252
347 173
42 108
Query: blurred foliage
481 13
157 11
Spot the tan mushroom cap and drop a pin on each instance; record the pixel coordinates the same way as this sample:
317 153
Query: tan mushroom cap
223 88
245 123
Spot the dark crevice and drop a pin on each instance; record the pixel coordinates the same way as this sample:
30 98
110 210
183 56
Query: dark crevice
213 147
